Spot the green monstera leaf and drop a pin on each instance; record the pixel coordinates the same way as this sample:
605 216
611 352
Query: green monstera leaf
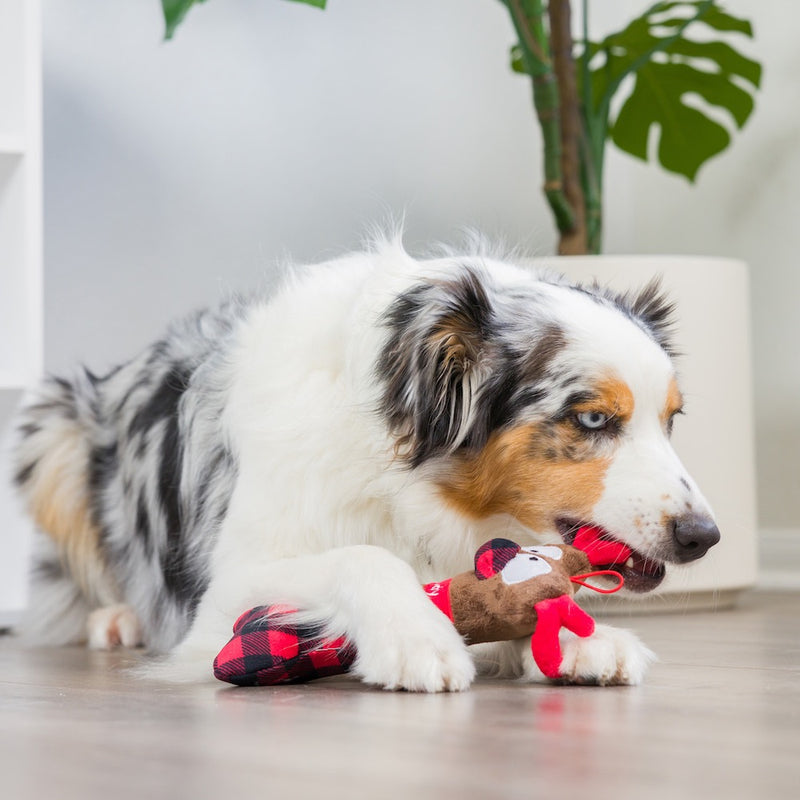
677 83
176 10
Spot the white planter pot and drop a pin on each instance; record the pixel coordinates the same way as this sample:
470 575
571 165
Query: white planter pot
715 439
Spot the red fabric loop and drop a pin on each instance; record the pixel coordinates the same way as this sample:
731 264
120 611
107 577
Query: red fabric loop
581 580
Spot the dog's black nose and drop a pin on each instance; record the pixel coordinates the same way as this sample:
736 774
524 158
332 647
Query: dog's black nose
693 536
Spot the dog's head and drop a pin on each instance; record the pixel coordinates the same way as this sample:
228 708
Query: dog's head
547 402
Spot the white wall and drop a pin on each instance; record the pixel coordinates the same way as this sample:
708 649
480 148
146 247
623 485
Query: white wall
266 129
176 170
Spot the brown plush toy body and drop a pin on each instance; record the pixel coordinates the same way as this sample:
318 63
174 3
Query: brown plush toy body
497 601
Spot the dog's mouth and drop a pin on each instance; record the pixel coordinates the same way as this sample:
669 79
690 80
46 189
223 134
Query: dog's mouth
641 573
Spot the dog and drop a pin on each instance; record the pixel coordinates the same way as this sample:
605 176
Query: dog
355 434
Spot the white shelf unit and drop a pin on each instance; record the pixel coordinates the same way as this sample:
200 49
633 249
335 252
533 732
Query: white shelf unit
21 326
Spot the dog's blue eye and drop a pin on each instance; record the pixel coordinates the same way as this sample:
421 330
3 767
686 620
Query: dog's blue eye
593 420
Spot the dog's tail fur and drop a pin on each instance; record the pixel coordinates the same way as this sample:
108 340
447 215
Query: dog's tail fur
53 473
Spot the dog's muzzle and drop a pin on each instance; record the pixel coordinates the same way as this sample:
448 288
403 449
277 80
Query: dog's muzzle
693 535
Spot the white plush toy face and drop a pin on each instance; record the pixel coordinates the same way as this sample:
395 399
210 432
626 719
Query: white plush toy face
529 563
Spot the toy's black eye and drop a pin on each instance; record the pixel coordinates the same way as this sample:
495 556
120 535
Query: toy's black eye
593 420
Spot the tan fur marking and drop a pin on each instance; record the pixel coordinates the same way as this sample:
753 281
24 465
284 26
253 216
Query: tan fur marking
519 472
674 401
613 397
58 501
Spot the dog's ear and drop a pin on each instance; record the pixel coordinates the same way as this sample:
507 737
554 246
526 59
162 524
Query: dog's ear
431 364
653 306
493 556
653 309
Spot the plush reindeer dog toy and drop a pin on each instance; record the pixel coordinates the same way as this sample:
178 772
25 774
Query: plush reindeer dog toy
513 592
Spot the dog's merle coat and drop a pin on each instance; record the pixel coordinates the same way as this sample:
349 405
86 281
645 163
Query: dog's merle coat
160 473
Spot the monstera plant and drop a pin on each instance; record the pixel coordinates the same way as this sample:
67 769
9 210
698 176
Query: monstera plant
672 69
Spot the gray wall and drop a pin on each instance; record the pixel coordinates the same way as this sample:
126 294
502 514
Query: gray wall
268 130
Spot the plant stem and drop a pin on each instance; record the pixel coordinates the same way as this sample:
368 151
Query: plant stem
591 180
528 19
574 240
592 148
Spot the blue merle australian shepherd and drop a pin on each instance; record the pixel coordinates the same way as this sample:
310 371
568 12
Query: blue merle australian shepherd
363 430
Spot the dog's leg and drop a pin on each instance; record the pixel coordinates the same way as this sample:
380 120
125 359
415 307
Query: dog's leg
365 593
111 626
609 657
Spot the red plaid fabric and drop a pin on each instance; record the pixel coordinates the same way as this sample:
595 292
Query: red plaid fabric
493 556
269 648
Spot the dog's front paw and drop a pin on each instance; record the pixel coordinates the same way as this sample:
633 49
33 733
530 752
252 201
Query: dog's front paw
421 655
609 657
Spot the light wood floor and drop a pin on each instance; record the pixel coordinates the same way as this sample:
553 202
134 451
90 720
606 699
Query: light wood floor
719 717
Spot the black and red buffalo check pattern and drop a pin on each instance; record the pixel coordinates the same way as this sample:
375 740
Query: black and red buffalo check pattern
269 648
492 556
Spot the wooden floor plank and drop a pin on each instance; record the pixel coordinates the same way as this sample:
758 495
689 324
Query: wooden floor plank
719 716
